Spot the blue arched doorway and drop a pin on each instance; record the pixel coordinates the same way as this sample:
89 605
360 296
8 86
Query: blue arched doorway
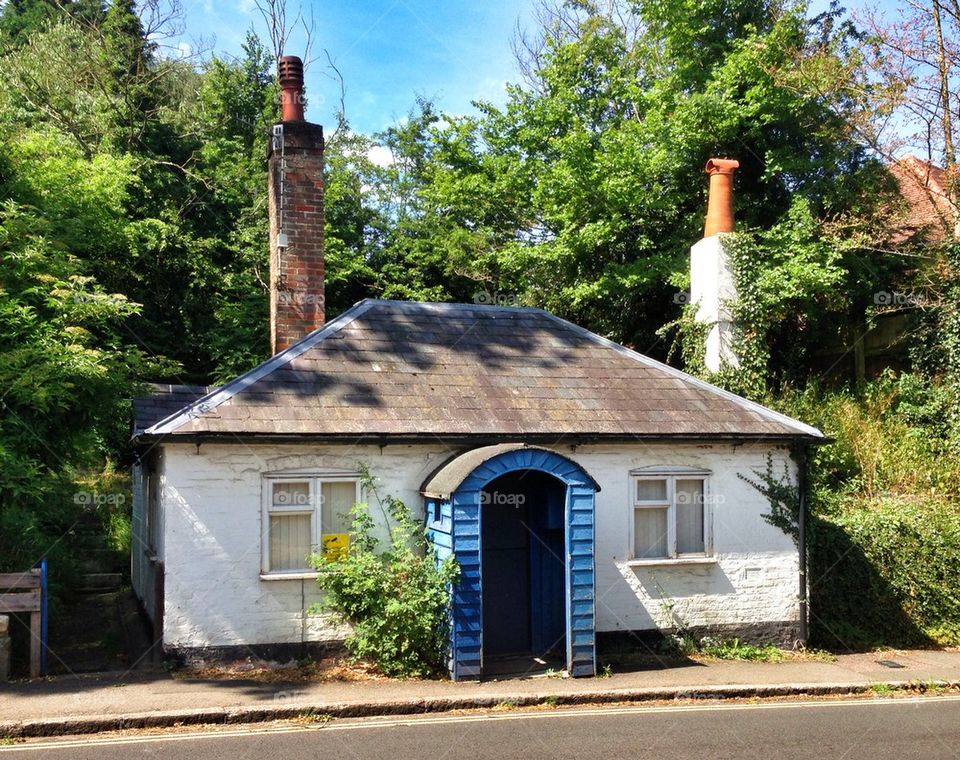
455 496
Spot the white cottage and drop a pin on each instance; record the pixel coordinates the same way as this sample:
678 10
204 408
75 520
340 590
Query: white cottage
585 490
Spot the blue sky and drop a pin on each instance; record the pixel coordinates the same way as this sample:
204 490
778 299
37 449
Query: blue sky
389 51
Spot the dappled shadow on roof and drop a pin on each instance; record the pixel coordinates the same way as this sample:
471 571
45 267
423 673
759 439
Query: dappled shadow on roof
437 369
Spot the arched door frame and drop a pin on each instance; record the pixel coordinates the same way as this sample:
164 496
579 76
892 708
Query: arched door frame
466 655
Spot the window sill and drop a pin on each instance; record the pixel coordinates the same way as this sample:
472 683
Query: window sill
307 576
670 561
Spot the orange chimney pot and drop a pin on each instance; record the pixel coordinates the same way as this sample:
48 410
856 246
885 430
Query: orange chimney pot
290 75
720 200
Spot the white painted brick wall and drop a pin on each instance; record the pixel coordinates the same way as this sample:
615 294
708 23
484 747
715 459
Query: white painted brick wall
212 502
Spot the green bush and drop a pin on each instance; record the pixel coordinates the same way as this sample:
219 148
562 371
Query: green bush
884 534
885 573
890 437
396 601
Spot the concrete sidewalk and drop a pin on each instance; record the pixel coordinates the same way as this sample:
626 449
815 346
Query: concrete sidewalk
85 704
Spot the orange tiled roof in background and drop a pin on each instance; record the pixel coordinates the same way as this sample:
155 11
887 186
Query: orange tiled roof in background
928 210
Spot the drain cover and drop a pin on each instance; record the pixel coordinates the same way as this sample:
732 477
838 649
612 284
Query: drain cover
890 664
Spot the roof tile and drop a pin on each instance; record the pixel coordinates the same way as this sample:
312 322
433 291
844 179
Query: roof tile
393 368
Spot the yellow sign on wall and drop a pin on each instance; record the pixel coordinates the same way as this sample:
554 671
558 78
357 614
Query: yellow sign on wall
335 546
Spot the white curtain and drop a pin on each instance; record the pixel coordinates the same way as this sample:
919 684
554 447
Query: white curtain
290 541
651 490
689 516
338 498
649 532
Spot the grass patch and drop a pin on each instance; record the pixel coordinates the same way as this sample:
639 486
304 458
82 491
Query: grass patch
734 649
309 716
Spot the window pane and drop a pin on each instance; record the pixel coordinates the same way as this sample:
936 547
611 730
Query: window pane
690 516
338 499
289 541
651 490
291 494
649 533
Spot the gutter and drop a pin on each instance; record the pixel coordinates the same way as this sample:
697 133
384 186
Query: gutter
484 439
801 457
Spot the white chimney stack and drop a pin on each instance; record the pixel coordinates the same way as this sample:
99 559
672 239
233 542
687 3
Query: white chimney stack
712 284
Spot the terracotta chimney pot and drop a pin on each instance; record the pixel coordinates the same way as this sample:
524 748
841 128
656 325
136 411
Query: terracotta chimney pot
290 75
720 202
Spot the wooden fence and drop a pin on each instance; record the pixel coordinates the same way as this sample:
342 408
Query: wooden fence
26 593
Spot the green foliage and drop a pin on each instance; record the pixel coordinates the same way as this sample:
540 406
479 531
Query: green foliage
20 19
883 572
395 599
892 436
884 533
65 372
936 349
734 649
683 644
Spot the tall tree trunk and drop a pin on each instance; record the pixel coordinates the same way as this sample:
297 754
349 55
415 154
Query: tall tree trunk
946 118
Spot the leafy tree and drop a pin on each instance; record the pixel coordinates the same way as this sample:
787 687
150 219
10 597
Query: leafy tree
584 193
21 18
65 372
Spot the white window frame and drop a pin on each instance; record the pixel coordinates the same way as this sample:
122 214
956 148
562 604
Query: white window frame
671 476
315 480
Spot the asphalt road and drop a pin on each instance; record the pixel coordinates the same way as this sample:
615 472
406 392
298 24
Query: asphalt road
875 729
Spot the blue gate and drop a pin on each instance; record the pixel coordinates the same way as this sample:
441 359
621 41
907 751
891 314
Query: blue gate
453 506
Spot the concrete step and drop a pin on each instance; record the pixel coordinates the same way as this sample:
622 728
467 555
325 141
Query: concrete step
97 582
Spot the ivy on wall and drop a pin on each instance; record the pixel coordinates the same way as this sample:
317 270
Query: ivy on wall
782 276
783 495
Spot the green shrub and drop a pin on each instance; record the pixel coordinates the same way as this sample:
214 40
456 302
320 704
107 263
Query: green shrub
884 572
884 533
890 437
396 600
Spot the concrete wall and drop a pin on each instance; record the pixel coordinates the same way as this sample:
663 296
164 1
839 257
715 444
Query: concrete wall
215 596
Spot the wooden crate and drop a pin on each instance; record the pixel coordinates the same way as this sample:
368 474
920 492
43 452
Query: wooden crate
23 592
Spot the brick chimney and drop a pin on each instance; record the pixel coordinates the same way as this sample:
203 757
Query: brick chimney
295 189
712 283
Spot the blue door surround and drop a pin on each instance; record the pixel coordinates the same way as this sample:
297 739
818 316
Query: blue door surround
454 528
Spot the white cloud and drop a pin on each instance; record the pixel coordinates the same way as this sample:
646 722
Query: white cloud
380 156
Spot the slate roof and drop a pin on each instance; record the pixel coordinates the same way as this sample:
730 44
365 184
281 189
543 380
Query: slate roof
163 401
396 369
